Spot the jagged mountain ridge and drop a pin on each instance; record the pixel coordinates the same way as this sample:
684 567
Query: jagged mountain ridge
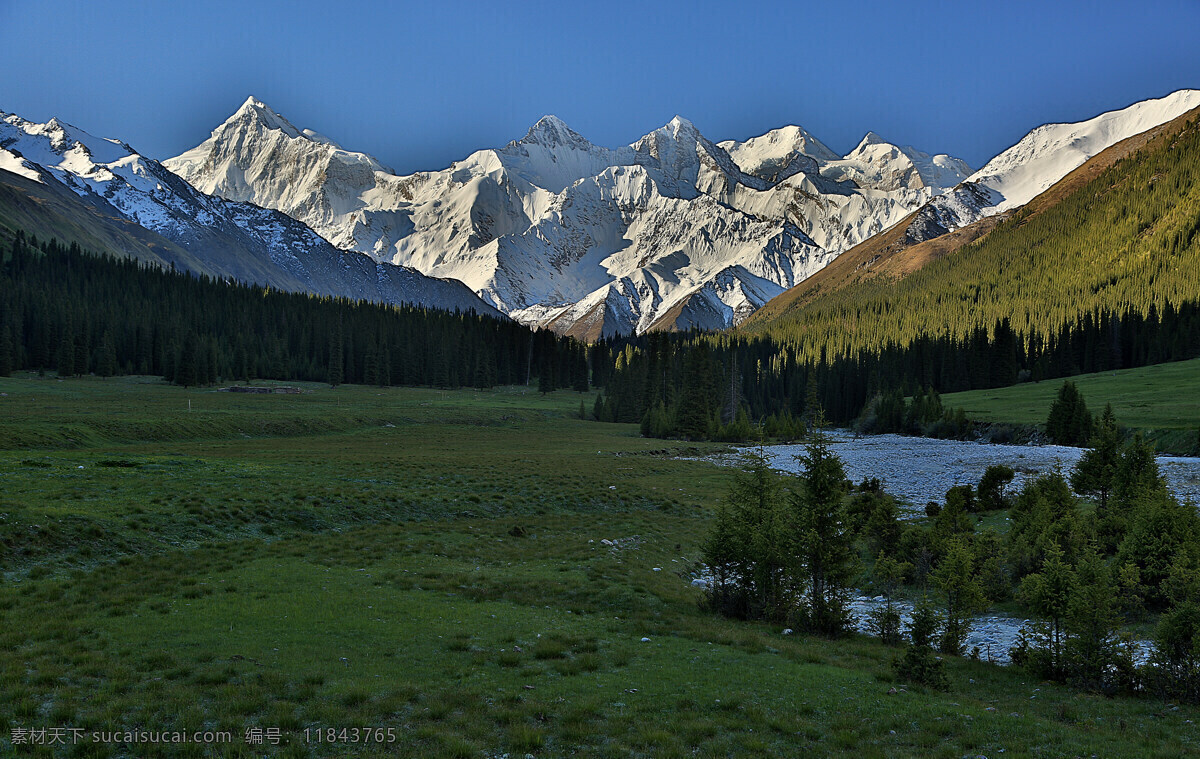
98 186
1038 161
588 240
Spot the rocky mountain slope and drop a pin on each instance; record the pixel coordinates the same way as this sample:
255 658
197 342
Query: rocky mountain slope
671 231
104 195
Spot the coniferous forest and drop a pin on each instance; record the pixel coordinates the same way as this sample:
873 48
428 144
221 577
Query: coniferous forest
700 381
74 313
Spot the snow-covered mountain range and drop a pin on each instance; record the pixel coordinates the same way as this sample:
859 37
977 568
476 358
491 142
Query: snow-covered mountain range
207 234
671 231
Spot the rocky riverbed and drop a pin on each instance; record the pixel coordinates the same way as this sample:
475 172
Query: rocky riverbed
918 470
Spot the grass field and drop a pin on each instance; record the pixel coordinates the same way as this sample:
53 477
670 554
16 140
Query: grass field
432 563
1162 400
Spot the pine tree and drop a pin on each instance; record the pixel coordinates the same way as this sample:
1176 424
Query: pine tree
1049 594
1097 468
955 577
826 549
919 664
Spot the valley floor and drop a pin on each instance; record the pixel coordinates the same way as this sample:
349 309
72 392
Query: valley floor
431 563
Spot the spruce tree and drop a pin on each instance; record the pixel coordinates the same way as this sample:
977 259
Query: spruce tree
1091 623
1049 594
1161 528
187 371
1069 422
106 360
1096 470
991 487
1137 474
955 577
750 543
65 362
919 664
697 402
826 549
888 575
336 373
1176 656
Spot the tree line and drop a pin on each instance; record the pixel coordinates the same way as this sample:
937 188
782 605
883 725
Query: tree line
72 312
693 384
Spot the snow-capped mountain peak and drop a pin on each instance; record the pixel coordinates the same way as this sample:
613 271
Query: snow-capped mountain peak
779 153
678 125
869 139
1042 158
878 164
551 132
258 113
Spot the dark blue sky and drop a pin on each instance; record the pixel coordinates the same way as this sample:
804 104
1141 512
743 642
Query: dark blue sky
422 84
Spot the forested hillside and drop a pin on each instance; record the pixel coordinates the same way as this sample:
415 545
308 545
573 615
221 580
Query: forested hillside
66 311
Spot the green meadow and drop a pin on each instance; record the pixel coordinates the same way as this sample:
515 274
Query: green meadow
432 565
1162 400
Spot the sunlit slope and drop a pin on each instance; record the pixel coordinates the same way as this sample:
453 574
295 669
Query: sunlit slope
1162 401
1118 233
